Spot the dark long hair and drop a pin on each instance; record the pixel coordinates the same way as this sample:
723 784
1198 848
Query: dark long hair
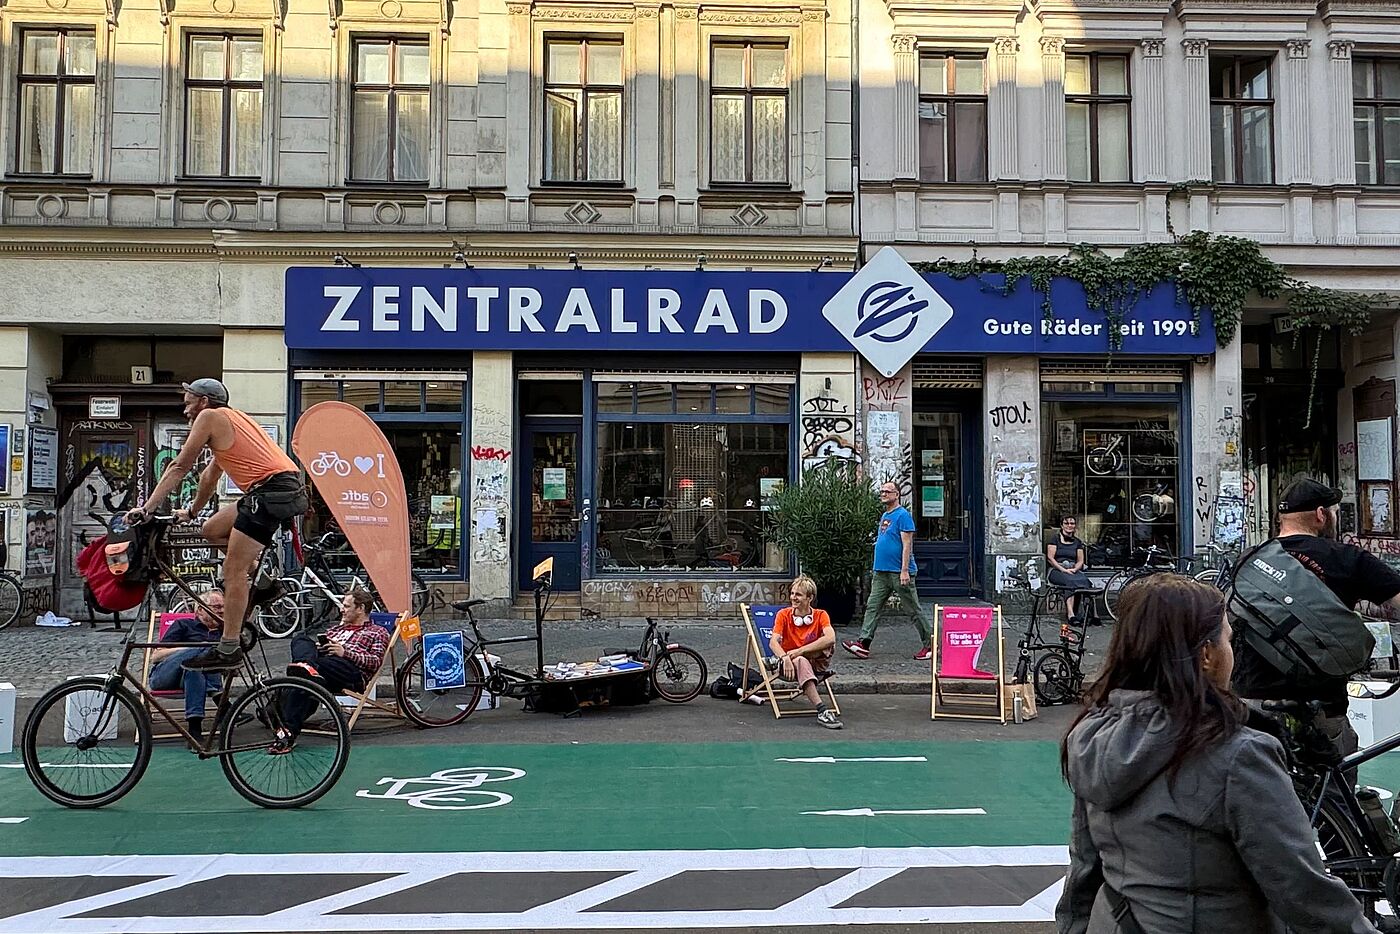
1164 620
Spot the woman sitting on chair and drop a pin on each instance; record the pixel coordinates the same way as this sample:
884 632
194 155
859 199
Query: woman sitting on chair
802 644
1065 560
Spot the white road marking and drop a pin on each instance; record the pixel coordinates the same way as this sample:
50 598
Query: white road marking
816 909
867 812
13 820
828 760
72 765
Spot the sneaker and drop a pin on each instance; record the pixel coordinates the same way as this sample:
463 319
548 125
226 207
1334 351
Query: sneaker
856 647
772 663
214 660
303 670
827 718
923 655
281 745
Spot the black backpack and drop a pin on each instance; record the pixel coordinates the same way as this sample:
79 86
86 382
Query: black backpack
127 551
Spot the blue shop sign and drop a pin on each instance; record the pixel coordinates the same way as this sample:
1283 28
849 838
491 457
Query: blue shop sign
886 311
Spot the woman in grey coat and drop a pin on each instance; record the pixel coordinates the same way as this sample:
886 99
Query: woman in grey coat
1185 820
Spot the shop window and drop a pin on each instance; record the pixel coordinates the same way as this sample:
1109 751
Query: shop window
1114 465
686 494
552 397
365 396
403 396
443 396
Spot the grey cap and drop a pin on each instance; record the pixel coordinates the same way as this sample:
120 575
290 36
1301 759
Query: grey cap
211 389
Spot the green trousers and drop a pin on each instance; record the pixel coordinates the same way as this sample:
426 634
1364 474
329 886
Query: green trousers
882 584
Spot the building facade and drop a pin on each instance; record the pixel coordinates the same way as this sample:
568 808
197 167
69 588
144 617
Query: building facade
166 166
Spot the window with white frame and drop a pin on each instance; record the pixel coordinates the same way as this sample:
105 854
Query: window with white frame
583 110
390 132
953 118
748 113
223 106
1375 92
56 102
1097 117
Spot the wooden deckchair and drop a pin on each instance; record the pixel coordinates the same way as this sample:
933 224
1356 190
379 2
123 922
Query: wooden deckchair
758 625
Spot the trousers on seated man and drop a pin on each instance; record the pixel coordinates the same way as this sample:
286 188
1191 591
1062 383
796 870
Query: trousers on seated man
802 644
166 671
342 658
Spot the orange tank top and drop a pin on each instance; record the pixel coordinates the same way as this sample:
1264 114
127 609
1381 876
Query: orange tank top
253 456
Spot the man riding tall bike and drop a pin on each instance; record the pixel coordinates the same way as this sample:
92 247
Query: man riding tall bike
273 493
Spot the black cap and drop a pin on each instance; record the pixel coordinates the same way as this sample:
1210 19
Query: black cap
1306 495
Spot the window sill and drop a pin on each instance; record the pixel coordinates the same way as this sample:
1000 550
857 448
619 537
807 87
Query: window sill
738 188
217 181
351 183
38 177
547 185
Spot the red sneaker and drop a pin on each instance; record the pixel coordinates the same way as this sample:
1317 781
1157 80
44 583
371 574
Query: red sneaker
923 655
856 648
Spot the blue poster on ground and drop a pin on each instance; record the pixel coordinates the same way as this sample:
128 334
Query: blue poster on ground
444 661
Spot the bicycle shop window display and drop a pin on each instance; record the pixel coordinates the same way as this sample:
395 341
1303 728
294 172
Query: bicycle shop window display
423 422
1114 464
684 472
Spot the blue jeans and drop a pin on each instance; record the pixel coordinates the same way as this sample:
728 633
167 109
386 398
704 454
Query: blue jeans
167 675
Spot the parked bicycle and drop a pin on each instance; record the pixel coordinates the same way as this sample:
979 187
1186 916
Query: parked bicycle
88 741
1220 566
1057 673
11 597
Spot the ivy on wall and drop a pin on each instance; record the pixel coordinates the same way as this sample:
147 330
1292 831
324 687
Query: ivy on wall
1209 272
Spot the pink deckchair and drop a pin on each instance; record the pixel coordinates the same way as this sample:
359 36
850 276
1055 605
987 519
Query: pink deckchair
959 633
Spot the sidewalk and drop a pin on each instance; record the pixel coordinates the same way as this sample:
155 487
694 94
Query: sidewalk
34 659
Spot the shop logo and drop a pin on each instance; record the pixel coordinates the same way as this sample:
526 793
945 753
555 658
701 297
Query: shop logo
888 311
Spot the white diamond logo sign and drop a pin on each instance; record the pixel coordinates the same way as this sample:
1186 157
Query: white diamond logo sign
888 311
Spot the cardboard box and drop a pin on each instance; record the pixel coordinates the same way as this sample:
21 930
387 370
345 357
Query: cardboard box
7 717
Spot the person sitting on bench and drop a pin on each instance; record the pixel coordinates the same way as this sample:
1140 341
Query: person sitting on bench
802 643
343 657
1065 560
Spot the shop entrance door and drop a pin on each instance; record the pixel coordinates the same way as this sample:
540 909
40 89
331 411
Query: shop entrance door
549 516
947 493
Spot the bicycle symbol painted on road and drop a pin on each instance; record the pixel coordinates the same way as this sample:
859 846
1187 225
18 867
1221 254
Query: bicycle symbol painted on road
448 789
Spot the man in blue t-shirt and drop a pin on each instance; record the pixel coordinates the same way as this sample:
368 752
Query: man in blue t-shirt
893 574
166 671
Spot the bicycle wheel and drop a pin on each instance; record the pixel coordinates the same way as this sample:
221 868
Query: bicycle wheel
272 765
678 675
437 708
85 744
11 600
1209 577
1114 587
421 595
285 615
1344 853
177 601
1056 677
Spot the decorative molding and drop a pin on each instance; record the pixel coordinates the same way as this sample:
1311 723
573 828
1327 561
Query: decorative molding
814 16
1153 47
1006 45
750 215
518 9
583 213
1052 45
1339 50
333 10
648 12
687 12
1298 48
1196 48
903 44
737 18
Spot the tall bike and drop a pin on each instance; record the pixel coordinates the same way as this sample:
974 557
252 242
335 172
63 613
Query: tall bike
88 741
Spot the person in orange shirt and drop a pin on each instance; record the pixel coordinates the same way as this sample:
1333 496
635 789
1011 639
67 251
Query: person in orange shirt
802 644
273 493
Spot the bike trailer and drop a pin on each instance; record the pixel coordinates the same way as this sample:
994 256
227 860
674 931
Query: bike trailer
1294 621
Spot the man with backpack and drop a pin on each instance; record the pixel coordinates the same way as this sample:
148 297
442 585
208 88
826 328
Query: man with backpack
1307 531
273 492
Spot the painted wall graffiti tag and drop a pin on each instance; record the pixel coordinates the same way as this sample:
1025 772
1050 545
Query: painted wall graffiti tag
490 489
881 392
827 428
1004 415
487 453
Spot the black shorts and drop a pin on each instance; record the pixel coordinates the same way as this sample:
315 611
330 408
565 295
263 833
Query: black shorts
268 506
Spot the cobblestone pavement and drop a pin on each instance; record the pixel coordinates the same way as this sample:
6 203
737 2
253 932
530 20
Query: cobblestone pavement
33 659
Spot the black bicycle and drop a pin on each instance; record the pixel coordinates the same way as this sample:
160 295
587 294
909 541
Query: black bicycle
1359 841
1057 673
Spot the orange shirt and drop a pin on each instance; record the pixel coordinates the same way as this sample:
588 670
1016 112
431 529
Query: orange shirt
253 456
792 636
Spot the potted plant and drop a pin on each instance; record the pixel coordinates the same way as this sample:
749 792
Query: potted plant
829 520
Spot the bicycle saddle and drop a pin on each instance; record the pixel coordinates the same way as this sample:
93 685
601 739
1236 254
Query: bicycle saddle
465 605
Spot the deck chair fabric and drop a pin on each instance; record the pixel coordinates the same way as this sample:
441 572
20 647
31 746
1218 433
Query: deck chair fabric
960 637
758 625
156 628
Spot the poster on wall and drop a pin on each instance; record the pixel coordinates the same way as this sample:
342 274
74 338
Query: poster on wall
229 487
40 543
444 532
767 488
43 459
1064 436
931 462
555 483
1377 509
5 457
932 502
1375 454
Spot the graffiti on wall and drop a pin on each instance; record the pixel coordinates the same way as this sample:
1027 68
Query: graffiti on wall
1005 415
885 392
1019 573
169 438
828 430
490 488
1015 500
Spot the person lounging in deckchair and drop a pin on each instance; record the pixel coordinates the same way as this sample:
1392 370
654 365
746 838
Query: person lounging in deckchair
802 644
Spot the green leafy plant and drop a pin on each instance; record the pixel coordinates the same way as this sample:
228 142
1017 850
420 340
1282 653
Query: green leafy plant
829 521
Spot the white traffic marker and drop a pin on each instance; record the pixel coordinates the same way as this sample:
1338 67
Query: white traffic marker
867 812
13 820
71 765
828 760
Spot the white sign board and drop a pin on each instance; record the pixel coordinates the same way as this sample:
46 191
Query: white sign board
104 406
1375 452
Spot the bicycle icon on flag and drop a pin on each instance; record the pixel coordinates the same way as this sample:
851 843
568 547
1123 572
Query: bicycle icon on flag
448 789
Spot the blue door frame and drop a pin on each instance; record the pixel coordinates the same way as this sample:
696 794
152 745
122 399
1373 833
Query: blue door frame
550 528
948 543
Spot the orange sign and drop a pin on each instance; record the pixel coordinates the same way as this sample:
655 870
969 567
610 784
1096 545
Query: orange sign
357 474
